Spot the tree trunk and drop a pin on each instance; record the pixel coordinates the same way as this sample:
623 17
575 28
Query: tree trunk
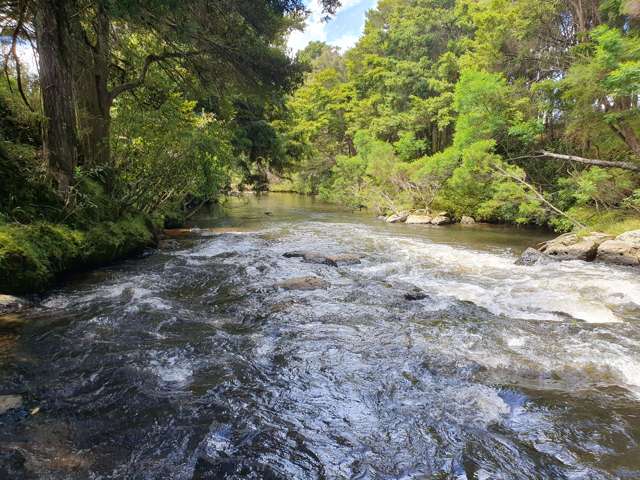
60 146
90 72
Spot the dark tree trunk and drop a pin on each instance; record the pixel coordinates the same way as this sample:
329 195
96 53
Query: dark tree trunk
60 145
90 72
74 68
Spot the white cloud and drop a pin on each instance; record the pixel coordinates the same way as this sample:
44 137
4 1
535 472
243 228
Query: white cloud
347 41
314 30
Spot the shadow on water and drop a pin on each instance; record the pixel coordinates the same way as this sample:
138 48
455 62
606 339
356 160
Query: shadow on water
193 363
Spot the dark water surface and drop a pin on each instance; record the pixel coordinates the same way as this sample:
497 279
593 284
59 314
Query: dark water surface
192 364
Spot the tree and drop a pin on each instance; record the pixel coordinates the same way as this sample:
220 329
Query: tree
84 64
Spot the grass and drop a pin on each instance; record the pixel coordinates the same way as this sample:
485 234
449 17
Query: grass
613 222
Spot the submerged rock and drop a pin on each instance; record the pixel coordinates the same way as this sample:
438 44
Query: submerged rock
294 254
9 402
303 283
11 304
415 219
11 321
168 244
466 220
343 259
397 218
572 247
322 259
314 257
531 256
624 250
415 294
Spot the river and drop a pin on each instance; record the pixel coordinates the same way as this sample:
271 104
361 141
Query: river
191 363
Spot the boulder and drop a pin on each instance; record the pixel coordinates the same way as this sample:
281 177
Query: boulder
632 236
415 219
572 247
11 304
440 220
9 402
531 256
624 250
397 218
467 220
303 283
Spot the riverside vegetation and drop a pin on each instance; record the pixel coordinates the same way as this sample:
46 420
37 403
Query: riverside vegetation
505 111
139 113
142 112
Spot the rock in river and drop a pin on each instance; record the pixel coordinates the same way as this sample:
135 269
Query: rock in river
295 254
10 304
466 220
397 218
415 294
320 258
441 220
168 244
624 250
419 219
343 259
531 256
9 402
303 283
573 247
314 257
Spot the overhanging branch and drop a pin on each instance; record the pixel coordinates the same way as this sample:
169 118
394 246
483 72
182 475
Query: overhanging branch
148 61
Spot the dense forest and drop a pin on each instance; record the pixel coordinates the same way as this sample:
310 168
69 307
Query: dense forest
505 110
135 114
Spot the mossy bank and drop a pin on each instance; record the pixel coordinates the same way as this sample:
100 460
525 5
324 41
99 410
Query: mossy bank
33 256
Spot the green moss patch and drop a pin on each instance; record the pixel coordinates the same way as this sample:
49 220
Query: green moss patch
33 256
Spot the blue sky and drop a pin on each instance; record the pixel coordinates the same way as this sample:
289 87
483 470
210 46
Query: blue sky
342 30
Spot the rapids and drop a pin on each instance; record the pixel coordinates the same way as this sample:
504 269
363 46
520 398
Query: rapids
192 364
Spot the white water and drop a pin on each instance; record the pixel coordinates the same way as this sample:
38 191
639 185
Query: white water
502 371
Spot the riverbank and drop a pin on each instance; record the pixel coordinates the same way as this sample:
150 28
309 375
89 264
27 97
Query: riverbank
34 256
586 245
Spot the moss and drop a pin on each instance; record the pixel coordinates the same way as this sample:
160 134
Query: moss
33 256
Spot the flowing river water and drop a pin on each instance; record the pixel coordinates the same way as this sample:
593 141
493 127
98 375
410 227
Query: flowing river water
192 363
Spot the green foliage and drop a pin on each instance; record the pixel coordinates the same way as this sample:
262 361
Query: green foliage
481 100
601 91
167 152
449 103
408 147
